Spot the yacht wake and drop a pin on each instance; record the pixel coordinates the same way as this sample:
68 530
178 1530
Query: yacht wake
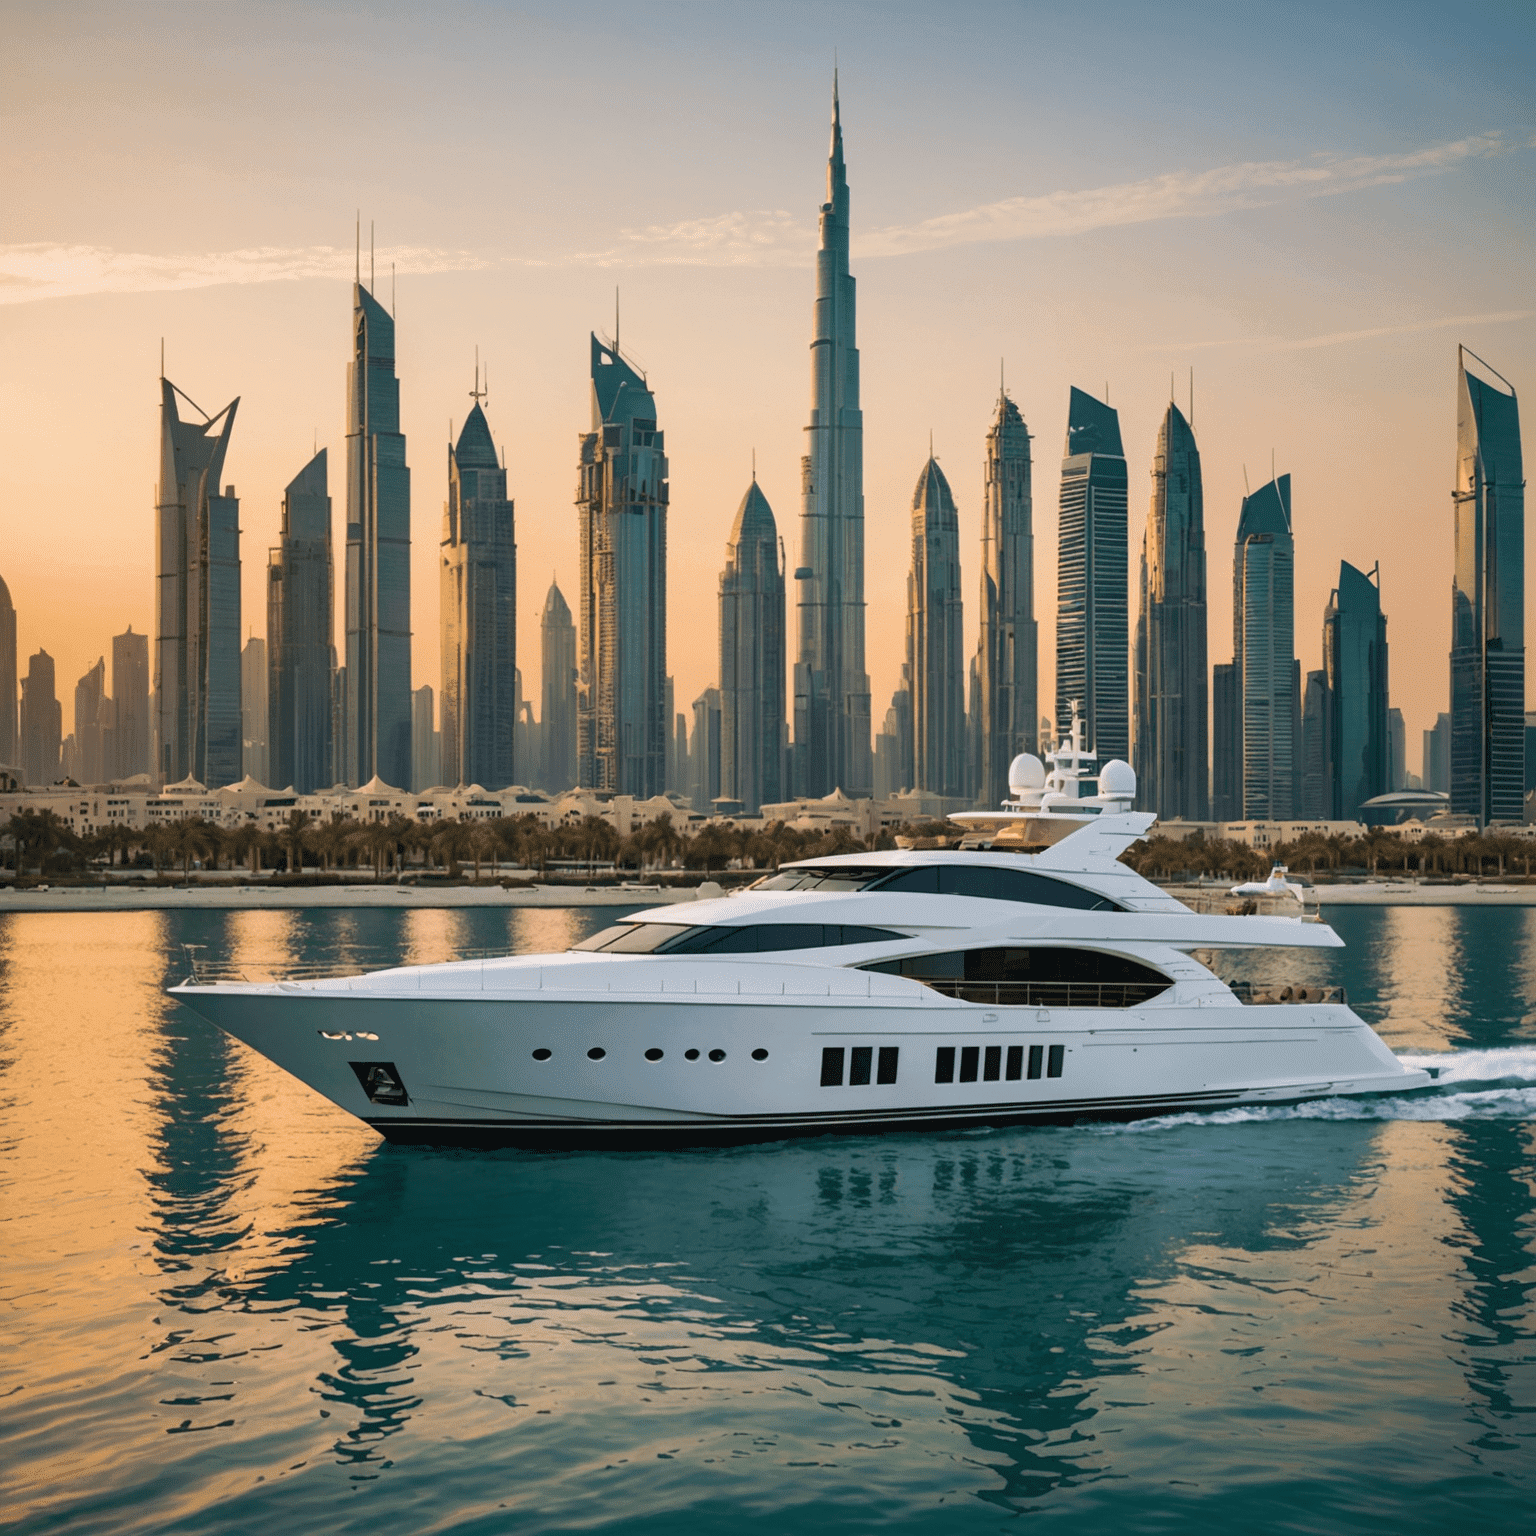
1495 1084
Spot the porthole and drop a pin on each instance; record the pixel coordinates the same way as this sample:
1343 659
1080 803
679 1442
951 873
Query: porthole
653 1054
691 1055
543 1053
596 1053
717 1054
759 1054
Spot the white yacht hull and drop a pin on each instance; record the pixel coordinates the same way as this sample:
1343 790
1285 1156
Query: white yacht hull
463 1069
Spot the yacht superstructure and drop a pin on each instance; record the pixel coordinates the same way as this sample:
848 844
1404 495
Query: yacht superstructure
1024 974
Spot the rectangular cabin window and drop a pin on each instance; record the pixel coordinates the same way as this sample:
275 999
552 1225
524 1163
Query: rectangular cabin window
1054 1068
970 1056
1036 1060
944 1064
832 1067
1015 1063
859 1065
886 1072
992 1064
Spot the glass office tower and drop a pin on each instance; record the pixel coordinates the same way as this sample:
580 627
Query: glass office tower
1355 664
1264 652
1488 600
378 595
1172 698
1092 585
621 504
1006 713
752 659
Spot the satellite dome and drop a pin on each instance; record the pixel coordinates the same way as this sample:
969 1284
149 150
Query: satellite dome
1118 779
1026 772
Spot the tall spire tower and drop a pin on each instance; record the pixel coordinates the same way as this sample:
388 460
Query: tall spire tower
378 591
831 684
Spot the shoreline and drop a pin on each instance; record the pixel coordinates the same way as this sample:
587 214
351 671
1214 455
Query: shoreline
238 898
245 898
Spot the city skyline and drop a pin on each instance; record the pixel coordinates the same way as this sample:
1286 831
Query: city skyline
1039 334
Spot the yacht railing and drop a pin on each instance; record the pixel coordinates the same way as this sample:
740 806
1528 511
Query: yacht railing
203 972
1049 994
1260 993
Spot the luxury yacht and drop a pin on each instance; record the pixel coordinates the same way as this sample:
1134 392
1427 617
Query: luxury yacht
1018 973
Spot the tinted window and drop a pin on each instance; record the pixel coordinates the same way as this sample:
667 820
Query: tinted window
994 884
1033 977
760 938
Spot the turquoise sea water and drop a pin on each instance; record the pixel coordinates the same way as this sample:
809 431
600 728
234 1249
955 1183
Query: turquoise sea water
227 1307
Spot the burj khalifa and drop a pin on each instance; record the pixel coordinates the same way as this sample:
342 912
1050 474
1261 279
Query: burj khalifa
831 713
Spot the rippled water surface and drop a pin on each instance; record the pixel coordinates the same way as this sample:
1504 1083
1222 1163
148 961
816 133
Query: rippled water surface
225 1306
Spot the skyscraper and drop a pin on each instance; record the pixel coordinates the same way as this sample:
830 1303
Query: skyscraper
426 739
1264 651
130 706
935 655
301 647
1488 600
197 598
42 722
1316 747
704 787
378 594
621 503
1226 744
1092 584
557 648
91 707
1358 743
1437 755
478 607
10 755
1172 702
752 658
832 747
1007 648
255 759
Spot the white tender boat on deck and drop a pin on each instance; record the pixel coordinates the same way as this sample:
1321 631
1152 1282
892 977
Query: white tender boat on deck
1024 976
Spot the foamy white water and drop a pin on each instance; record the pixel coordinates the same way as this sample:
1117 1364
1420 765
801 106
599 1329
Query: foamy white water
1498 1084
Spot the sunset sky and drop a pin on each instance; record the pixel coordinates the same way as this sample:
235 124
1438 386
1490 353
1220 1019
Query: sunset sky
1308 204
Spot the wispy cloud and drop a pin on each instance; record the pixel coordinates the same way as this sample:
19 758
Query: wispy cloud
770 237
761 237
1179 195
29 272
776 238
1338 338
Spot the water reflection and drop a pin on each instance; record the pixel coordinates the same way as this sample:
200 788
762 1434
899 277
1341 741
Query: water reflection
1192 1326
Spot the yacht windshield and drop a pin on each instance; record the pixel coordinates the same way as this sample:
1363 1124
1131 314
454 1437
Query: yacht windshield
813 879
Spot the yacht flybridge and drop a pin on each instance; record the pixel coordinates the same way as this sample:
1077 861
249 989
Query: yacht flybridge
1022 975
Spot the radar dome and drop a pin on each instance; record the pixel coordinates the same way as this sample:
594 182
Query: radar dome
1026 772
1118 779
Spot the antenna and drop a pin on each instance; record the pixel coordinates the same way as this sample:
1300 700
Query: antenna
930 442
477 394
1002 376
357 261
1106 391
615 318
1271 463
1246 491
371 280
1170 387
754 466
